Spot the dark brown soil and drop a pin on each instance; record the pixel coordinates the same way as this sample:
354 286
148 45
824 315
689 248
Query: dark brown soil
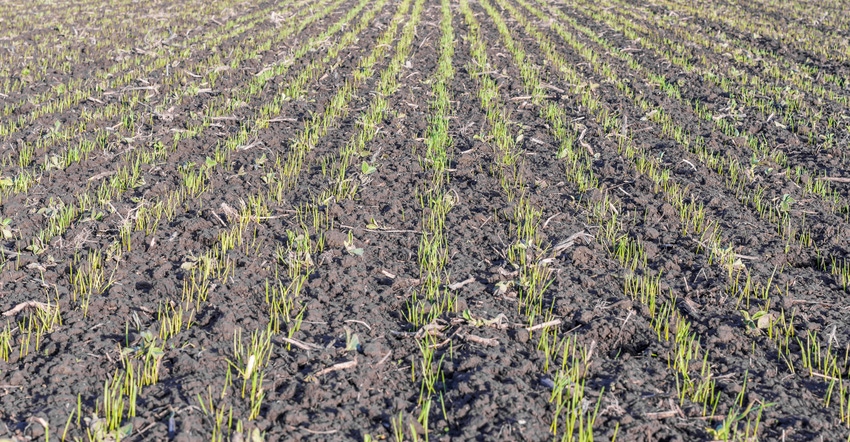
493 388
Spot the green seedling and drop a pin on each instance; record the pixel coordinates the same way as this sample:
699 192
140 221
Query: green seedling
112 407
171 319
42 319
217 415
250 363
149 353
367 169
730 429
397 424
6 228
374 225
758 321
785 203
352 341
350 247
6 343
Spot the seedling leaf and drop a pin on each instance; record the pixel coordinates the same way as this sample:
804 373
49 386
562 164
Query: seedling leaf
352 341
352 249
367 168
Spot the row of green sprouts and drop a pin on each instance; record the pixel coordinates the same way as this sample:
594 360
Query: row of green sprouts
48 41
432 298
572 419
76 141
764 157
806 38
201 271
130 175
282 293
775 210
145 217
639 284
763 318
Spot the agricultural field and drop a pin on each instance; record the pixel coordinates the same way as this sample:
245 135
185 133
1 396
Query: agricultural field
425 220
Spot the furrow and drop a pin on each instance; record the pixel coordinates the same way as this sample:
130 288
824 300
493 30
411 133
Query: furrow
33 161
572 79
746 189
129 174
117 78
803 114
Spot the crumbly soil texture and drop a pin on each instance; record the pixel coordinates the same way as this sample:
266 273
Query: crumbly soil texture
221 225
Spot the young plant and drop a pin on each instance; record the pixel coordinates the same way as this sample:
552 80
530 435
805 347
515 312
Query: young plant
249 363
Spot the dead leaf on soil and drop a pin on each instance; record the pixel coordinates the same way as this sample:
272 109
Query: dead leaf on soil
188 265
352 249
102 175
497 322
405 283
764 321
36 266
502 288
567 243
230 213
39 421
552 323
332 368
300 344
458 285
480 340
835 179
673 412
432 329
27 304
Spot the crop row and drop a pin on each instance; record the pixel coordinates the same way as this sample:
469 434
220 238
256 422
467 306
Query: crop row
745 185
128 174
250 359
802 110
102 51
270 152
658 176
116 80
802 38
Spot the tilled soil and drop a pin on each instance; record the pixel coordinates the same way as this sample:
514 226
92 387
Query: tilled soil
496 379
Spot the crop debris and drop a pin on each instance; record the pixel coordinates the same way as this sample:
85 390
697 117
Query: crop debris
424 220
